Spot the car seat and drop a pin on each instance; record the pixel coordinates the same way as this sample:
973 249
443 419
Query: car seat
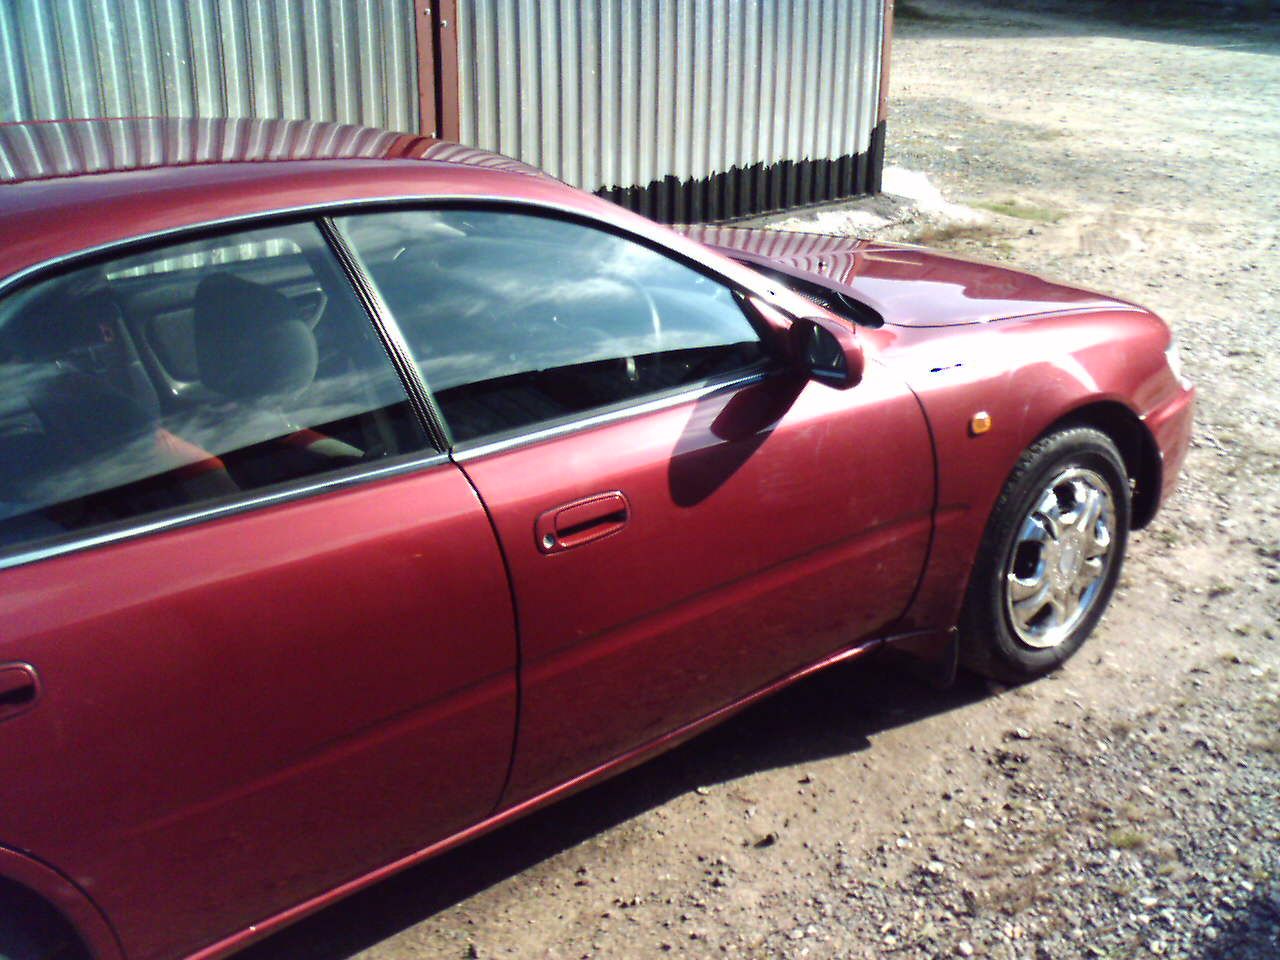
257 354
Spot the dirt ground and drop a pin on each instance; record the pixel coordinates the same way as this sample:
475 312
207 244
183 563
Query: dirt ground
1126 807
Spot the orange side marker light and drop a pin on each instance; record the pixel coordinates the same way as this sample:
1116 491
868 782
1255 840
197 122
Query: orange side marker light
980 423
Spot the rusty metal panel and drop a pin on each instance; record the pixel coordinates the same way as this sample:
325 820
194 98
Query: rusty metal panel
683 109
350 61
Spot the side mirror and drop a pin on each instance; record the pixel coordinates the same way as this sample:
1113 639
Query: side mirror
823 348
827 350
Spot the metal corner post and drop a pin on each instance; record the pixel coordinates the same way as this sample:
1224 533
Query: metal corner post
424 35
435 30
876 160
446 45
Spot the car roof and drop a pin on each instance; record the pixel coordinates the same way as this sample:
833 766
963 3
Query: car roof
68 186
71 187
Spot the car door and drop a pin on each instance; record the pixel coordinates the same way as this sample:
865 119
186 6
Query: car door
255 630
683 520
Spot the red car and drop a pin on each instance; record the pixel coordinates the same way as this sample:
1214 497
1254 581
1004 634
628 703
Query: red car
361 492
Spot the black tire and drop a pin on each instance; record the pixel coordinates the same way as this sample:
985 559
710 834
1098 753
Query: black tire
991 643
30 929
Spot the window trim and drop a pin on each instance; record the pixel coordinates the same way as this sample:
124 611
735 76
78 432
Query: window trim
334 208
314 213
569 422
421 400
158 521
624 410
286 492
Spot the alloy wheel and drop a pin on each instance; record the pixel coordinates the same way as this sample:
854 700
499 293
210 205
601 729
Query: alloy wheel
1060 558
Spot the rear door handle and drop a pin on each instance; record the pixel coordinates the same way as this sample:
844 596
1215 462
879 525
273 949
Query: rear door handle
19 688
582 521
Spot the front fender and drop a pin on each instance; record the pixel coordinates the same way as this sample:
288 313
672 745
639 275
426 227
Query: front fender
1027 374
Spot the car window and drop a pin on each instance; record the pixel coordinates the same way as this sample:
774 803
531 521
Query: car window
517 319
185 375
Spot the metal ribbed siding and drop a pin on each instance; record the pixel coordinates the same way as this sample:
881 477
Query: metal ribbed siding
66 149
684 109
352 61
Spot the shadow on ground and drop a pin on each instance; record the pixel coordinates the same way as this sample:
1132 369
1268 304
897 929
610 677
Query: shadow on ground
1255 932
833 713
1250 26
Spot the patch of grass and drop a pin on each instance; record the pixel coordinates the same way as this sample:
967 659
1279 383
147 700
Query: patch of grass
1095 815
1049 838
1022 211
907 12
955 231
1267 744
1167 854
1267 713
1133 812
1125 839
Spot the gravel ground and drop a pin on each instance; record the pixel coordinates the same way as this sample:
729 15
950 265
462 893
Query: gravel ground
1126 807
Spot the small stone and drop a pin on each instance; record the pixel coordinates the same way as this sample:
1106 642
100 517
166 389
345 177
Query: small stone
964 948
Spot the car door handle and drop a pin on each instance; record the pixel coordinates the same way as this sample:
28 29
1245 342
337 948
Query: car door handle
19 688
582 521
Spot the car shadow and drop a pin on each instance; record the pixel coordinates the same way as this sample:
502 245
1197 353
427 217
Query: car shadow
833 713
1254 932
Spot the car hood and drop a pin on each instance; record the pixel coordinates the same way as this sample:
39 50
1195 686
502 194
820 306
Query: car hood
908 286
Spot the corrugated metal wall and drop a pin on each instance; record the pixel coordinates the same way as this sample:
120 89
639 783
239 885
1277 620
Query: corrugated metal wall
684 109
353 61
59 149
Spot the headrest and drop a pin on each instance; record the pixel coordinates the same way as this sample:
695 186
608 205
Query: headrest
250 341
67 317
70 403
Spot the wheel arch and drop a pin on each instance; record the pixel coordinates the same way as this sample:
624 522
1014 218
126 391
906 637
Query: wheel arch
81 916
1136 445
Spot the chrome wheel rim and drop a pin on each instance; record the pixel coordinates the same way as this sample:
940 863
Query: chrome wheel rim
1060 558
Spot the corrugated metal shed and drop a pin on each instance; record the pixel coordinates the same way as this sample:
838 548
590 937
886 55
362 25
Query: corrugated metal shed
352 62
683 109
686 110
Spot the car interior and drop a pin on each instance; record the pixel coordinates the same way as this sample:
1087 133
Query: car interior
196 372
183 376
519 320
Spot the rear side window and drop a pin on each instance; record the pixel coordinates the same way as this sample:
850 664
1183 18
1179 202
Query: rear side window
518 320
184 376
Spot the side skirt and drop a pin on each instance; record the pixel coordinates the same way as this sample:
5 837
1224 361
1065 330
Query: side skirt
931 656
